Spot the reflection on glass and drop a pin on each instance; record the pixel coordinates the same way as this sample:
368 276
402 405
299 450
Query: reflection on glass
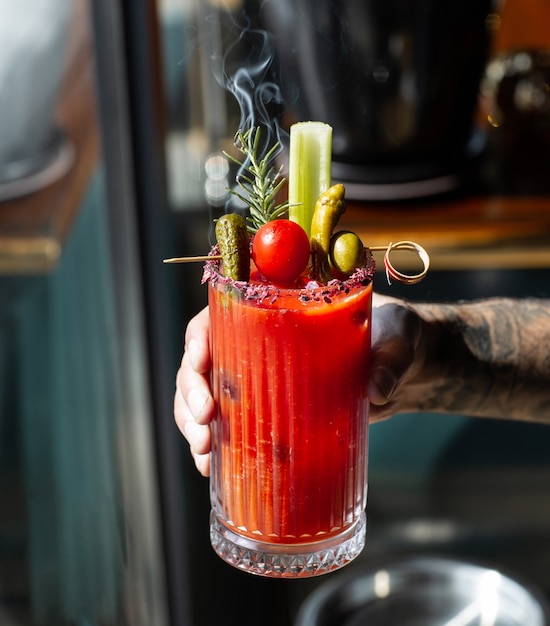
203 117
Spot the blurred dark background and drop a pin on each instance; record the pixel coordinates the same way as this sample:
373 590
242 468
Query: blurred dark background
113 126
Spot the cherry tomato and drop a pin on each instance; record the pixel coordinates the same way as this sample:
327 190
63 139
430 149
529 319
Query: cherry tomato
280 250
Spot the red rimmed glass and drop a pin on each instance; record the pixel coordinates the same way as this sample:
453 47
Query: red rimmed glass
289 450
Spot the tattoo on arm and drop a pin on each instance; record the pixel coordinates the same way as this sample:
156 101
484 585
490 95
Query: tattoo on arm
489 358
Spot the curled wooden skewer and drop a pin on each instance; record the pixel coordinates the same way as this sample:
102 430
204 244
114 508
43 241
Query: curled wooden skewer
391 272
406 279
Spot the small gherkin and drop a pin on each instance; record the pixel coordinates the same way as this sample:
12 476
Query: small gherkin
233 240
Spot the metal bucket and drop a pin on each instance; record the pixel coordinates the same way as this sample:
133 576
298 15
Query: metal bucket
425 591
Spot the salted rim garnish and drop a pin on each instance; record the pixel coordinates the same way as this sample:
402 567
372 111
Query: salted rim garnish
311 292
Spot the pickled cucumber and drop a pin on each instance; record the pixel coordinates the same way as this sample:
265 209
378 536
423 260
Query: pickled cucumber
232 237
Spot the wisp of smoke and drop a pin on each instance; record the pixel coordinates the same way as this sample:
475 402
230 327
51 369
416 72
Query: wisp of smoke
243 69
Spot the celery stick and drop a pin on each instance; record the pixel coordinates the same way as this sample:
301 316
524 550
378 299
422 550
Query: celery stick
309 169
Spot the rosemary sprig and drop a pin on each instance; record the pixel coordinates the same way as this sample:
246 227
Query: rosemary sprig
258 179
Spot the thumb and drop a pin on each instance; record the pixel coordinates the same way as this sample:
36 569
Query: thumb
396 331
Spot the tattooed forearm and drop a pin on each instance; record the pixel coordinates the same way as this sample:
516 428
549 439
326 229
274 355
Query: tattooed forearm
488 358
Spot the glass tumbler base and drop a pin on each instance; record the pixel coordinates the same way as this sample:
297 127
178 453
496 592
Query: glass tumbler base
277 560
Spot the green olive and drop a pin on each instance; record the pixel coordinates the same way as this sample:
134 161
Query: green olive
347 252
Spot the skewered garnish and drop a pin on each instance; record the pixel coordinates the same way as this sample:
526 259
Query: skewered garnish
391 271
232 236
305 246
281 251
347 253
282 248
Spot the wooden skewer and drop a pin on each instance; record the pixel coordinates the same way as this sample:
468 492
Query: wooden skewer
193 259
216 257
391 272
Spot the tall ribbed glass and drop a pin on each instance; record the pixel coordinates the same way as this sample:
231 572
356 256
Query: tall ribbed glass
289 450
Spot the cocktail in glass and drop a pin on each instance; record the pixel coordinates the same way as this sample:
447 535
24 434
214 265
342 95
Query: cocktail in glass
289 449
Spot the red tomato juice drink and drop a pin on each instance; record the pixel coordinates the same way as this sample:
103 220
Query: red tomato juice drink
289 449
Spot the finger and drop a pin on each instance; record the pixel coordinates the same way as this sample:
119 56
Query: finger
202 463
197 435
197 342
379 413
181 411
194 388
396 331
379 300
